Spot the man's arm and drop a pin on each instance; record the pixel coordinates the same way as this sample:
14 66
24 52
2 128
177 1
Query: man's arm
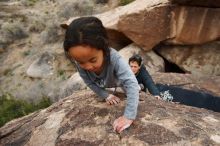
149 83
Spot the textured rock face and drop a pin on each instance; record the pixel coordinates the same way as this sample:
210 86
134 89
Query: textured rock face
173 24
81 119
148 27
151 60
200 60
149 22
194 25
210 84
111 18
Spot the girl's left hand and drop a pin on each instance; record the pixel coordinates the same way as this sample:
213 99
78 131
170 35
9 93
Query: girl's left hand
121 123
112 99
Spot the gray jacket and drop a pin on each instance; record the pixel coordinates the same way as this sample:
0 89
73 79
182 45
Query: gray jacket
117 73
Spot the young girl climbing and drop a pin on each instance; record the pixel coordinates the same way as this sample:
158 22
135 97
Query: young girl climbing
101 67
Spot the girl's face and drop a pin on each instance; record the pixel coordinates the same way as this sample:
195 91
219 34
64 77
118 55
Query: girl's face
88 58
134 66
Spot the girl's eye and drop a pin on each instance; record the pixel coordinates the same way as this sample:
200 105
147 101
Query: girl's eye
93 60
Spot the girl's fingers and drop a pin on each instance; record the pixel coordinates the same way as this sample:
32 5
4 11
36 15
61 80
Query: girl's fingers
108 102
118 126
123 128
114 101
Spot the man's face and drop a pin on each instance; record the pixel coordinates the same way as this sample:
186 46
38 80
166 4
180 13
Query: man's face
134 66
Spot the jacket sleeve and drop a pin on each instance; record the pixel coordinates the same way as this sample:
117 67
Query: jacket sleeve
130 85
101 92
149 83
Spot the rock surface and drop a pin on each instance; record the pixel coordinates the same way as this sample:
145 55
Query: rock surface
147 23
209 84
199 60
172 24
194 25
81 119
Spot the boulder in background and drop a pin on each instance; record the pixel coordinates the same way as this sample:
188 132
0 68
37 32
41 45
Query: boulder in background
42 67
151 60
198 60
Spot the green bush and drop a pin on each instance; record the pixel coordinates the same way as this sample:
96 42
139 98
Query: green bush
43 103
13 31
29 2
11 108
125 2
62 74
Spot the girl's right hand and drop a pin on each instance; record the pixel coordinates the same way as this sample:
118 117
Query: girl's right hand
112 99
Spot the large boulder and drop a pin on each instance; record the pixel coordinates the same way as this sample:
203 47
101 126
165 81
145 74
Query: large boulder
151 60
42 67
199 60
194 25
147 27
80 119
209 84
110 18
172 24
147 23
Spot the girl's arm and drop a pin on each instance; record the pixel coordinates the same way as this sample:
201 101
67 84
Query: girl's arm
130 84
149 83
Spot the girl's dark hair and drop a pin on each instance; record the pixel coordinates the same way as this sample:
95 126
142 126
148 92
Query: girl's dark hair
87 31
136 58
